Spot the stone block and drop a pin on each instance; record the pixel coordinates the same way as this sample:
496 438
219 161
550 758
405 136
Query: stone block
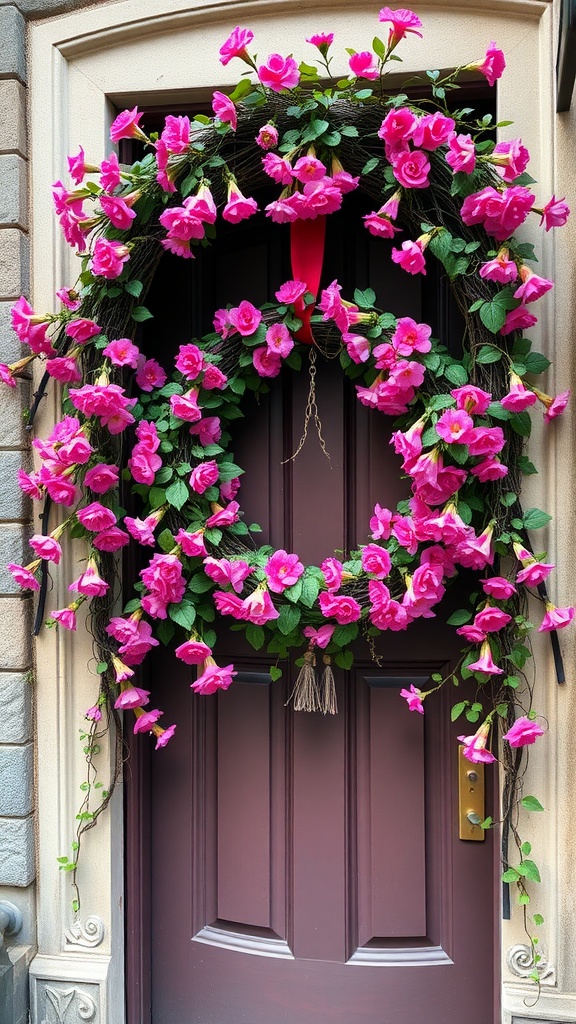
14 403
15 634
14 505
15 707
13 199
17 859
16 780
12 117
43 8
11 347
14 260
13 49
13 548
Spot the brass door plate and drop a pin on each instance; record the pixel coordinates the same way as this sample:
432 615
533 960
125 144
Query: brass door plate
470 798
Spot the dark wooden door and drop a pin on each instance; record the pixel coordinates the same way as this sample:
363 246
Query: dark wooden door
307 869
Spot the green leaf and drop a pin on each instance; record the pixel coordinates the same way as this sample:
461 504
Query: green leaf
521 423
538 919
458 709
526 849
288 619
156 497
140 313
315 129
460 617
511 875
165 631
531 803
379 47
255 636
133 288
456 374
370 165
275 673
200 583
365 299
101 667
440 402
177 494
350 131
345 660
344 635
526 466
492 315
497 412
536 363
184 614
310 591
294 593
489 354
535 519
244 86
529 870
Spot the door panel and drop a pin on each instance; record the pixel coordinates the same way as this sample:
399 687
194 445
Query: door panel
307 869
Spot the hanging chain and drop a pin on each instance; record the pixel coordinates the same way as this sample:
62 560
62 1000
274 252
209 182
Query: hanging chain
311 412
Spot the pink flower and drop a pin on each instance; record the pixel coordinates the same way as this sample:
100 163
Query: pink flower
532 287
475 746
238 207
163 578
193 652
283 570
108 258
433 130
472 634
308 168
411 337
267 363
96 517
204 476
332 569
132 697
523 732
381 523
411 169
267 137
534 572
403 21
24 575
498 587
491 620
322 40
176 134
555 213
150 374
30 328
380 225
501 213
192 544
65 617
190 361
118 212
277 168
510 159
357 347
519 397
208 430
245 318
101 478
65 369
398 126
223 571
279 73
413 696
142 530
485 440
319 637
517 320
60 488
163 736
223 516
340 607
213 678
500 269
461 154
77 166
126 126
476 552
110 173
185 406
410 257
90 582
224 109
236 45
376 561
492 66
485 663
555 406
555 618
213 378
473 400
229 604
146 721
258 607
229 489
122 353
279 340
362 65
81 330
111 539
290 292
454 426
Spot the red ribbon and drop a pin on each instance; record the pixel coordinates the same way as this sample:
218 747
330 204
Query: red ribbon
307 238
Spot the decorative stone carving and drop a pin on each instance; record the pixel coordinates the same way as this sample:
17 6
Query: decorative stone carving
520 961
87 935
60 1001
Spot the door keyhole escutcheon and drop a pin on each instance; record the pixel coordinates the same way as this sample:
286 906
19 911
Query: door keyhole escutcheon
470 799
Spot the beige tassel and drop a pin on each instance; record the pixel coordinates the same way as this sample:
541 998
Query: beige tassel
305 696
328 703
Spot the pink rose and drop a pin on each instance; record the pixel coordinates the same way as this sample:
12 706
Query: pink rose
122 353
492 66
283 570
340 607
108 258
111 539
267 137
279 340
376 561
266 362
236 44
290 291
214 678
204 476
208 430
47 548
259 608
192 544
118 212
193 652
190 361
555 213
224 109
433 130
126 125
413 696
101 478
150 374
410 257
81 330
110 173
96 517
498 587
491 620
398 126
332 569
523 732
245 318
279 73
65 369
238 207
461 154
362 65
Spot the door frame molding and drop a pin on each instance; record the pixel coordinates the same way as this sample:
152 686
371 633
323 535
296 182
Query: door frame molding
113 53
